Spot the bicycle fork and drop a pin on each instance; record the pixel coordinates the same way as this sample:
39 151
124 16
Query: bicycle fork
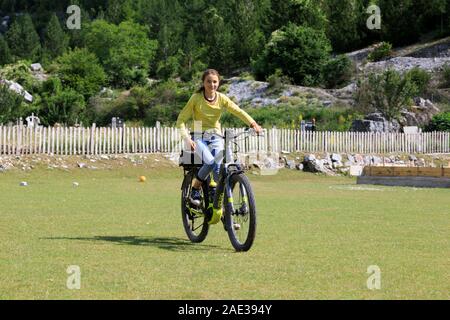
224 188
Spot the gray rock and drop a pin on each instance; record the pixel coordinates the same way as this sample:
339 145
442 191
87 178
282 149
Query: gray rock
351 158
290 164
404 64
375 122
359 159
81 165
327 103
36 67
310 157
317 166
300 166
336 157
337 164
17 88
412 157
270 163
376 160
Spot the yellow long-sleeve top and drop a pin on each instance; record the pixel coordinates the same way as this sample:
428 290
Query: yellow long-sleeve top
206 115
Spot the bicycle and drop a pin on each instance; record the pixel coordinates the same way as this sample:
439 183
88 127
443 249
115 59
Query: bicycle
233 193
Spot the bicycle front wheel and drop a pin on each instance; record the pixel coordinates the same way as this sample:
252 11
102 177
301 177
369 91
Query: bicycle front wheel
194 219
240 213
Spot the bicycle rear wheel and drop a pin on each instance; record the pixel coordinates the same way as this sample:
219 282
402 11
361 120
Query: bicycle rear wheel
240 213
194 219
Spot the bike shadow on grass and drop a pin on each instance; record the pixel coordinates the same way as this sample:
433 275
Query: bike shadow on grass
165 243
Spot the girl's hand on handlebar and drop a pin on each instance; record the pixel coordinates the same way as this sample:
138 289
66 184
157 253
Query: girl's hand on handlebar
256 127
191 144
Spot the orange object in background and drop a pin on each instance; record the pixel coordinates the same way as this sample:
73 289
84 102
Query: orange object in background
142 179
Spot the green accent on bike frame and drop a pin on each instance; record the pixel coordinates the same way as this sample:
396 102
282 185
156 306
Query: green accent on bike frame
217 214
195 212
212 183
230 199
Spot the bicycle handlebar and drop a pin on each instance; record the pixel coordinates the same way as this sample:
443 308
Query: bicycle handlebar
248 131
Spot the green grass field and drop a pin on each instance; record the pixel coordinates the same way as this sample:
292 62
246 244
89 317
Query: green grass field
316 238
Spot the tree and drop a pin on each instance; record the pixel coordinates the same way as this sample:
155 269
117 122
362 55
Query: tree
399 21
219 41
166 23
23 39
125 50
301 12
118 11
55 40
342 26
80 70
248 38
387 93
77 35
5 53
8 6
192 58
300 52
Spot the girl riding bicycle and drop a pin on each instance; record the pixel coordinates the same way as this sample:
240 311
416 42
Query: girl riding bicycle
205 107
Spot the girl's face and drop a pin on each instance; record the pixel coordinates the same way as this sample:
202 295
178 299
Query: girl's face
211 83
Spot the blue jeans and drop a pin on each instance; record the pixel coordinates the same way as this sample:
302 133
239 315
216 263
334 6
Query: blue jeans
210 148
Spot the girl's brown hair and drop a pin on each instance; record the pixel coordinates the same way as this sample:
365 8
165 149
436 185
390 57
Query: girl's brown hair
207 73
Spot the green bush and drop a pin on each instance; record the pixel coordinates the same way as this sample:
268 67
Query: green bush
387 93
166 115
161 102
446 76
61 105
440 122
382 51
277 82
337 72
420 78
11 104
80 70
299 52
20 72
288 116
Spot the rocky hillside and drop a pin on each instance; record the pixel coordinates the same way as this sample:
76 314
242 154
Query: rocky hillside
430 56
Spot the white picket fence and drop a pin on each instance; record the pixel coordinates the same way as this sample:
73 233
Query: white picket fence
22 140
